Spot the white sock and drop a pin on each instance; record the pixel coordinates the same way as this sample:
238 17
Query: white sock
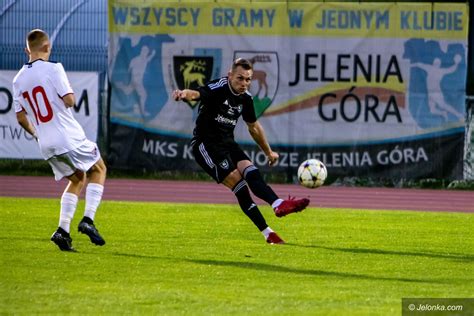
276 203
267 232
93 197
68 208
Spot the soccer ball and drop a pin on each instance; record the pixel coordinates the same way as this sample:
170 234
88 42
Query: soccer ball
312 173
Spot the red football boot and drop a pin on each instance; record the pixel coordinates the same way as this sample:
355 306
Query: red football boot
273 238
291 206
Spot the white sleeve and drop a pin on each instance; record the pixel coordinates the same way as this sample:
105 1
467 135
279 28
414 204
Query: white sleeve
17 105
61 82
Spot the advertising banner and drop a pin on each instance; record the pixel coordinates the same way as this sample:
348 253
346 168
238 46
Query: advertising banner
15 142
375 89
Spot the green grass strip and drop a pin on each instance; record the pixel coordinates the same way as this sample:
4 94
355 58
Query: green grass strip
190 259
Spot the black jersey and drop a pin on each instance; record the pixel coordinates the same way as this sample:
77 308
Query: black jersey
219 111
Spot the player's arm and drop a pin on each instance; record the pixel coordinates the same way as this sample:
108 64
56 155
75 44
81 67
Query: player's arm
69 100
26 124
420 65
150 57
20 111
63 86
258 134
186 94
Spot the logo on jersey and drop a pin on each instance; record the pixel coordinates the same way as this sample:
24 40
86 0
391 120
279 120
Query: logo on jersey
224 120
265 79
191 72
233 110
224 164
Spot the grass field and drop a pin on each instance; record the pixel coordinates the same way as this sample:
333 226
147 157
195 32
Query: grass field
185 259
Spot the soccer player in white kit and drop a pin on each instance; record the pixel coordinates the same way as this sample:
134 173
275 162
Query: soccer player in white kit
43 100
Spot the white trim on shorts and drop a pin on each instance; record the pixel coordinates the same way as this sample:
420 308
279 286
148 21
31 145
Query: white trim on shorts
81 158
208 160
206 156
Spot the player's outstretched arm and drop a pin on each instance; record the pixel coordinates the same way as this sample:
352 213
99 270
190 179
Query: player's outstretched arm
186 94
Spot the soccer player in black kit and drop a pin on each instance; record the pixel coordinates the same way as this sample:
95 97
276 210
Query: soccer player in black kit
222 102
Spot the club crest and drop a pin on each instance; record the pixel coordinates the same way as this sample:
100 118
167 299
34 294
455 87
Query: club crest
234 110
224 164
191 72
265 79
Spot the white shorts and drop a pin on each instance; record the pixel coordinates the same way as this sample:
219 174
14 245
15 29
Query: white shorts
81 158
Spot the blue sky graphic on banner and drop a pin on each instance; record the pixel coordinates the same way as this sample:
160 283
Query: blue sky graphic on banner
137 77
437 82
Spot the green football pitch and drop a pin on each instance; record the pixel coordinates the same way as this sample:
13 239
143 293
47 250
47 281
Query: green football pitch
196 259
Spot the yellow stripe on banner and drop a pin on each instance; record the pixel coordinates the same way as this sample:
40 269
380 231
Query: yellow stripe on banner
336 19
391 85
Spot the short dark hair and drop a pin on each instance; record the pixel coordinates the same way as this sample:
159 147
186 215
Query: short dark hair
242 62
36 38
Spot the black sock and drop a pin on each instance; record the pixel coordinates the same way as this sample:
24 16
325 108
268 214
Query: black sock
258 185
247 205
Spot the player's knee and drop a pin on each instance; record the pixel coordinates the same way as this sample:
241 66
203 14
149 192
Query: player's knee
78 178
251 173
232 179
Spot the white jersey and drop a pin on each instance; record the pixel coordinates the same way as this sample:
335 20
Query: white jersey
37 89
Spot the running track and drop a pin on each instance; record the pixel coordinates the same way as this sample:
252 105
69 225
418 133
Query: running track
210 192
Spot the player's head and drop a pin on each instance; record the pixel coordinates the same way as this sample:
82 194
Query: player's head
240 75
37 42
145 50
457 58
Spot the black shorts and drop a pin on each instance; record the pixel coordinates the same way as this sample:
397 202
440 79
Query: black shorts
218 160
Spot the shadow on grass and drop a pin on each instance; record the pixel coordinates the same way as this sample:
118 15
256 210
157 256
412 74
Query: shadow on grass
390 252
282 269
133 255
277 268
